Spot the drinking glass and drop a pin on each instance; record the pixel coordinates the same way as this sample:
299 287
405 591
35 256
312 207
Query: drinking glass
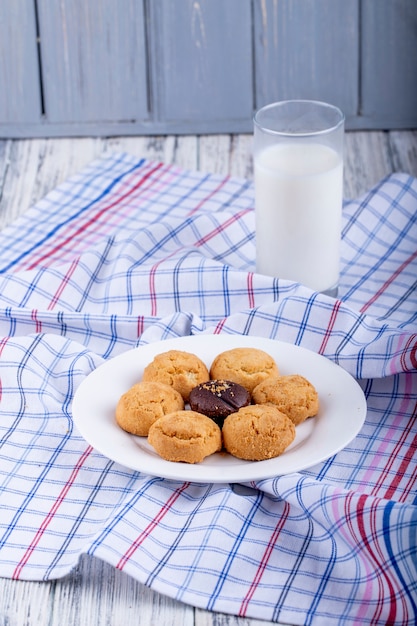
298 171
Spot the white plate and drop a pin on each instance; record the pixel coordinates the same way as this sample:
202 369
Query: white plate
341 415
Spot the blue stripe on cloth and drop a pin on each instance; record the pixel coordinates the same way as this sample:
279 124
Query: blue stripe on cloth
175 544
44 419
239 537
292 576
49 234
134 496
72 532
394 556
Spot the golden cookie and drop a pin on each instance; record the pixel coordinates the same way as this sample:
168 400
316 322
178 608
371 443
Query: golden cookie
256 432
294 395
181 370
144 403
246 366
185 436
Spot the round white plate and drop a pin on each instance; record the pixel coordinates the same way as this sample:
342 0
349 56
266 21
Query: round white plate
341 415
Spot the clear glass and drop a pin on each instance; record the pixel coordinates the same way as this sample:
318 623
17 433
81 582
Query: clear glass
298 169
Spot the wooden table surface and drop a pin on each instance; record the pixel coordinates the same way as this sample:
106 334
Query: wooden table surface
96 594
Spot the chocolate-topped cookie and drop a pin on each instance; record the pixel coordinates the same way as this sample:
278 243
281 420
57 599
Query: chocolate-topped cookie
218 398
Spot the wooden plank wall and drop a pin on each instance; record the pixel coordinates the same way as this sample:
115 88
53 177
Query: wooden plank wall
389 63
20 96
202 62
93 61
100 67
308 49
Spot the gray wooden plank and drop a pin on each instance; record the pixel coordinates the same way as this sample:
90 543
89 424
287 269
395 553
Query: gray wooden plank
93 60
5 146
201 61
403 147
25 602
205 618
122 128
42 164
20 99
149 128
181 150
367 161
389 63
307 49
226 153
97 594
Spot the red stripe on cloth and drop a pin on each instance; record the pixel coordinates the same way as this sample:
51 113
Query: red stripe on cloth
151 526
408 457
3 342
210 195
219 326
95 217
411 483
251 293
219 229
61 497
353 512
63 284
38 323
380 564
264 561
380 488
330 326
140 325
413 357
388 282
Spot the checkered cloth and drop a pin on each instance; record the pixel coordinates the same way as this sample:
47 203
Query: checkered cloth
130 252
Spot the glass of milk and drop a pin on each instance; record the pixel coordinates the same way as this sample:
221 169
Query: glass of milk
298 169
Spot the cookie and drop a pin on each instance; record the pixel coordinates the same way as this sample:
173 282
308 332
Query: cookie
181 370
218 398
294 395
257 433
144 403
246 366
185 436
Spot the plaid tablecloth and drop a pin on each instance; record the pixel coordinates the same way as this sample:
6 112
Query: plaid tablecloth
130 252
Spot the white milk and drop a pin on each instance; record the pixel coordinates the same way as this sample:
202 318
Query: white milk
299 190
